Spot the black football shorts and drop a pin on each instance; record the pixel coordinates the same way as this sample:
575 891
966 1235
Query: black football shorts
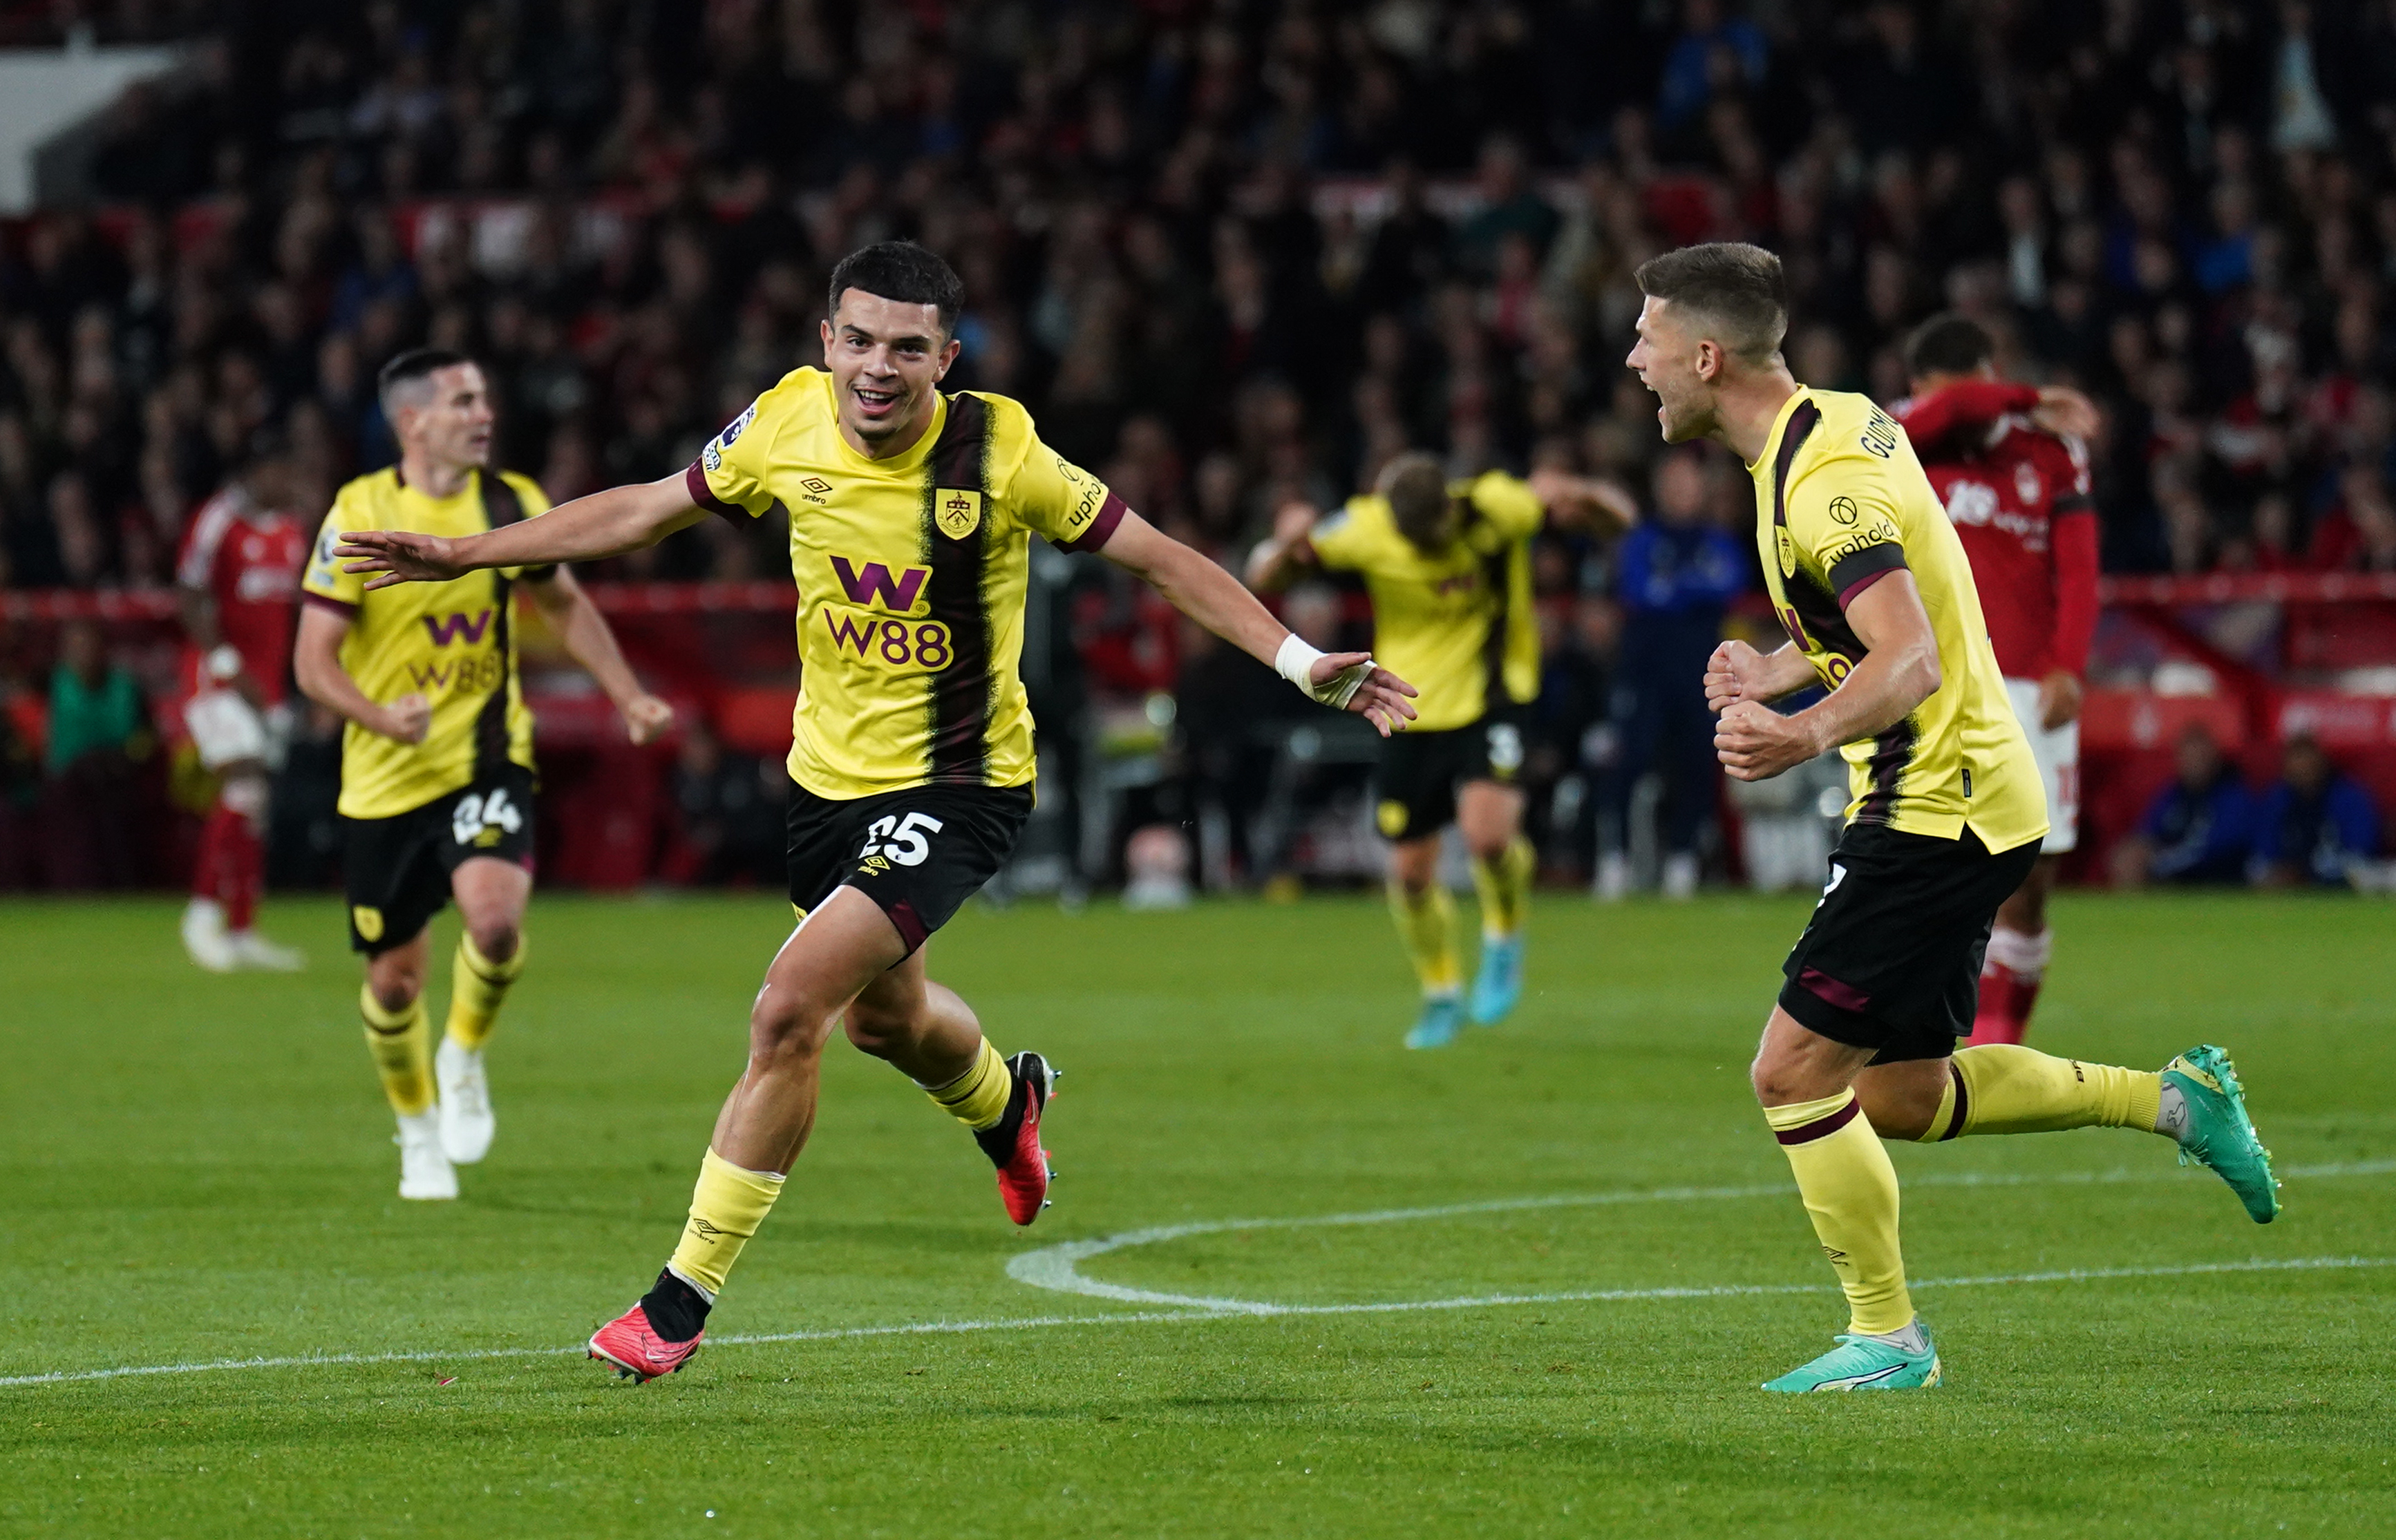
919 854
395 870
1413 791
1891 960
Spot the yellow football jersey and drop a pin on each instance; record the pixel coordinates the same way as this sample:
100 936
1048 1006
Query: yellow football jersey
911 573
1457 626
1840 501
449 642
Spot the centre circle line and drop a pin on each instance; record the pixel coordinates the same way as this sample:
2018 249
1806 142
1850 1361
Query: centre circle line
1058 1267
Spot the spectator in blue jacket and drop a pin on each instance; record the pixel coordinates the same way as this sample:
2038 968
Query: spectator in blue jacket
2200 829
1676 573
2315 824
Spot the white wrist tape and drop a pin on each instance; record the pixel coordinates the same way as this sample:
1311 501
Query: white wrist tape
1296 662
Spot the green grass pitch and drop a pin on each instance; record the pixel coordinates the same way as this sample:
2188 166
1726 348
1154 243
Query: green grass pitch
197 1170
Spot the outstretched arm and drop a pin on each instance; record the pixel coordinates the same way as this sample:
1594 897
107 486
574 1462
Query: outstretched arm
605 524
590 642
1214 598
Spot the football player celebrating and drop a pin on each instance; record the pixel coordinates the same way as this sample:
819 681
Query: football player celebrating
1944 821
2006 463
238 581
1448 567
436 761
911 512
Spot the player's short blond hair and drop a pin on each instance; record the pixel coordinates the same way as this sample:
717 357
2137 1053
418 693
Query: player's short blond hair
1416 489
1736 291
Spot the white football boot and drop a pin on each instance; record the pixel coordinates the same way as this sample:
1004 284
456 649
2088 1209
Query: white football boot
467 1121
424 1171
205 939
253 950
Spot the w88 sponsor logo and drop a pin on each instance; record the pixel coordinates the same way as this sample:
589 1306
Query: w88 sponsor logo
894 643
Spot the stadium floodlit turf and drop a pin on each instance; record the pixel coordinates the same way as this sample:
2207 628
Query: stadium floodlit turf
197 1170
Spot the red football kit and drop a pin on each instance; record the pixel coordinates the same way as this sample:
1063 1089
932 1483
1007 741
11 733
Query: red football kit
2017 497
248 560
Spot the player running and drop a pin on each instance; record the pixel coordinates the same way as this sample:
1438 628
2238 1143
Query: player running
436 761
2006 463
239 583
1448 566
911 512
1872 584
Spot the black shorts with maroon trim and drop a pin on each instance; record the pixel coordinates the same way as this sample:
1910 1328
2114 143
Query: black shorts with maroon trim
1414 790
919 854
1891 960
396 872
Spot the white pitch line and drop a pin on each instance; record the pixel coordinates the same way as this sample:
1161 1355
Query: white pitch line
1188 1310
1058 1267
1141 1318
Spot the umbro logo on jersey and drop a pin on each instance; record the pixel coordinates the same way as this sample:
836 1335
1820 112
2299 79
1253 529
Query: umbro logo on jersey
817 485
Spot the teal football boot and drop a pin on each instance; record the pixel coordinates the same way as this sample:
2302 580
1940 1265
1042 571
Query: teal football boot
1499 985
1865 1363
1441 1019
2218 1135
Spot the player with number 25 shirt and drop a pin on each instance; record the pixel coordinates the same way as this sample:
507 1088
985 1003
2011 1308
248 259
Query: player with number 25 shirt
911 512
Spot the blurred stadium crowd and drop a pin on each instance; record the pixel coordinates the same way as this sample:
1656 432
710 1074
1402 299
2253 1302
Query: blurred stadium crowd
1231 254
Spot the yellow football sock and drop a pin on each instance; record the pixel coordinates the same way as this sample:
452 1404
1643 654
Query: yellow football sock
477 986
1850 1191
1505 888
2005 1088
1427 927
400 1042
978 1098
725 1209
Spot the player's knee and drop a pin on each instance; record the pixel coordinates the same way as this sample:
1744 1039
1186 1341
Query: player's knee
244 794
787 1022
496 939
1779 1082
395 989
882 1031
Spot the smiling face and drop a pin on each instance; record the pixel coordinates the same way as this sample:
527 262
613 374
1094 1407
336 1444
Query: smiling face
886 358
1680 367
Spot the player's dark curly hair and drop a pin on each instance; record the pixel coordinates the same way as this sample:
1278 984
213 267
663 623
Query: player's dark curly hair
904 272
1948 344
1737 288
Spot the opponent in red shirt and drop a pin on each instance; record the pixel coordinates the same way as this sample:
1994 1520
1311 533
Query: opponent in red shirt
2006 460
238 575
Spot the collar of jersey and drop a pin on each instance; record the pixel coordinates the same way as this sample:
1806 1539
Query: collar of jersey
916 453
465 491
1781 424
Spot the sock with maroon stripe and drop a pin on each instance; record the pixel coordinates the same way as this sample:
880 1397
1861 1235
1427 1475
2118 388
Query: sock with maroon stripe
2004 1088
1850 1192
